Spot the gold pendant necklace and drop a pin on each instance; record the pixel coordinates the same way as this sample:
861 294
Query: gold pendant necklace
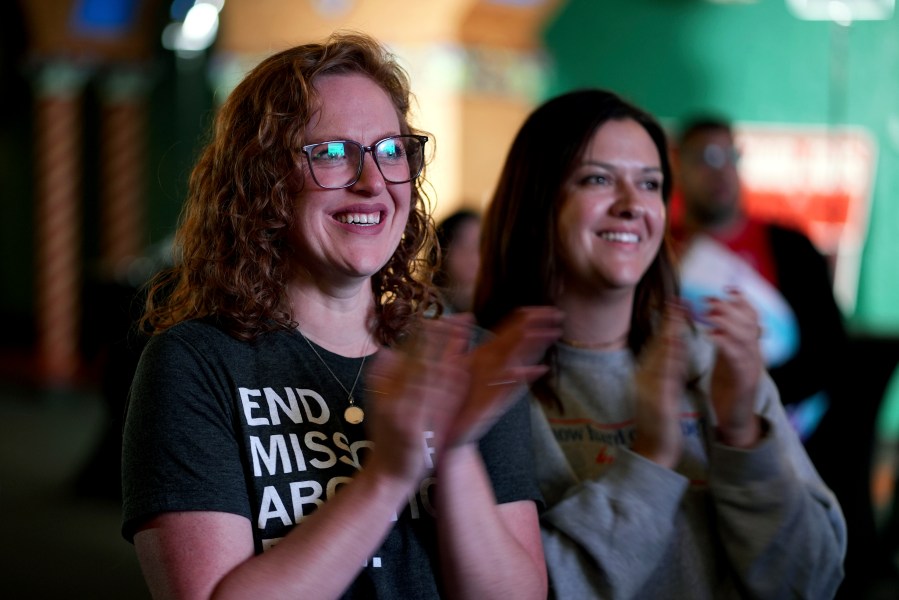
353 414
616 343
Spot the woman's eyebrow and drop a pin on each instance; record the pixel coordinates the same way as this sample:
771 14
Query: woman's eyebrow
617 166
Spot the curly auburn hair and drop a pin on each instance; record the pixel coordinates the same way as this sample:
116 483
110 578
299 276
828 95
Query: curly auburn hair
233 257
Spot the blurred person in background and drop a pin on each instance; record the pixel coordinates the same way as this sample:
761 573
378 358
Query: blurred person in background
458 238
666 461
804 341
263 457
786 278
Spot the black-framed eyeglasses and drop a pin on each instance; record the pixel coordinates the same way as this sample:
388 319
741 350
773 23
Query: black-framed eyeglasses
337 164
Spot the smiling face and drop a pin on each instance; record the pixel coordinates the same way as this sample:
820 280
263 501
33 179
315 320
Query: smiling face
350 233
612 218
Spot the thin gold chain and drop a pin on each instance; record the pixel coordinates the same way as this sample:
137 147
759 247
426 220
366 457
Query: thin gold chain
349 394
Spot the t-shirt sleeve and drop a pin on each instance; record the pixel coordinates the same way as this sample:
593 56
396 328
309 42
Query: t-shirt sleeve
180 451
508 456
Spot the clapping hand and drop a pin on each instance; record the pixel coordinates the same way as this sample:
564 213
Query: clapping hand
735 331
500 368
436 383
412 390
660 379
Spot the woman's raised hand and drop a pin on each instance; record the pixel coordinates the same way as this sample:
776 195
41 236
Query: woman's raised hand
436 386
501 367
735 331
414 393
660 379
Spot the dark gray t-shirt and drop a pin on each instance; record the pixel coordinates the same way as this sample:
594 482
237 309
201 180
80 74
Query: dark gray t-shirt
257 429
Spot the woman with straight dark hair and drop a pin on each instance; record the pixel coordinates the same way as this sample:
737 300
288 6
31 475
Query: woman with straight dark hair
665 459
263 456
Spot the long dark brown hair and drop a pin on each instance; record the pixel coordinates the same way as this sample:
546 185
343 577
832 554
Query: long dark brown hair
519 264
232 251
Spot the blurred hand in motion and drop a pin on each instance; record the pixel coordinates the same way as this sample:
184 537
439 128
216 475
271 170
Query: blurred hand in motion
436 383
411 390
502 366
735 331
660 379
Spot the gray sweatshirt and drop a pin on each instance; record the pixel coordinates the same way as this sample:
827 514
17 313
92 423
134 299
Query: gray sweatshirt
726 523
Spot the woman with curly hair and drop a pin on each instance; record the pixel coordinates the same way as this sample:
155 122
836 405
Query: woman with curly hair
666 461
262 456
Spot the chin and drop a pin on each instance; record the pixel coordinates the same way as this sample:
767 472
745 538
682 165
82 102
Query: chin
621 281
368 270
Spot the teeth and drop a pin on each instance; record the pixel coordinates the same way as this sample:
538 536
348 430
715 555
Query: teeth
360 218
617 236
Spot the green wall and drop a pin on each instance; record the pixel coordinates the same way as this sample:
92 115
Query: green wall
752 62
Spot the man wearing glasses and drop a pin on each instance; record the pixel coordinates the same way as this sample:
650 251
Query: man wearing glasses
789 279
804 341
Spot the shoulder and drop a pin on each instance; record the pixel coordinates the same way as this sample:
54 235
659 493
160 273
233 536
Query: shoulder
195 350
181 345
789 237
196 332
797 258
208 339
190 333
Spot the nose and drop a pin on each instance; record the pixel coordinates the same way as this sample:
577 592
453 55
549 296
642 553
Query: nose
627 203
370 181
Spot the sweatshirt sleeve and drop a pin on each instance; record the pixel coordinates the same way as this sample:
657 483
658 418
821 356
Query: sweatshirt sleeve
781 527
634 502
